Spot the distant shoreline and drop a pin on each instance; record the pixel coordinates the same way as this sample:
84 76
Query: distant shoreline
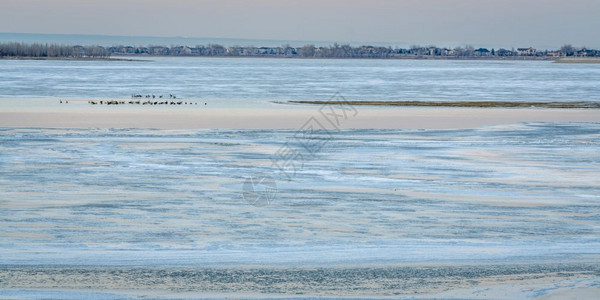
148 57
335 51
505 58
466 104
68 58
578 60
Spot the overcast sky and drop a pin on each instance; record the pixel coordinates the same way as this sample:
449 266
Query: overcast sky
490 23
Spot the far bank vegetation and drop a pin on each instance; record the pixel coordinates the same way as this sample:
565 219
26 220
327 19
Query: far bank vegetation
36 50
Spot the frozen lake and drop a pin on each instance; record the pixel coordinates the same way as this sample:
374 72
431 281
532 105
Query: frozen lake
93 212
526 192
256 80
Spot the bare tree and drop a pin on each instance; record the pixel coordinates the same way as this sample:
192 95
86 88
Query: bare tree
568 50
307 51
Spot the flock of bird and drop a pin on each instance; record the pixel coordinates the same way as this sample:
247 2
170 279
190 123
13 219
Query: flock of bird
147 102
171 96
135 100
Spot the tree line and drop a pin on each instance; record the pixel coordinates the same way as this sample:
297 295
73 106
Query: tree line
307 51
347 51
14 49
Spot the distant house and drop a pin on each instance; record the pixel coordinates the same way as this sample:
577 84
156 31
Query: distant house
504 52
159 50
482 52
581 52
289 51
78 50
142 50
417 51
555 54
122 49
526 51
196 51
181 50
402 51
266 51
